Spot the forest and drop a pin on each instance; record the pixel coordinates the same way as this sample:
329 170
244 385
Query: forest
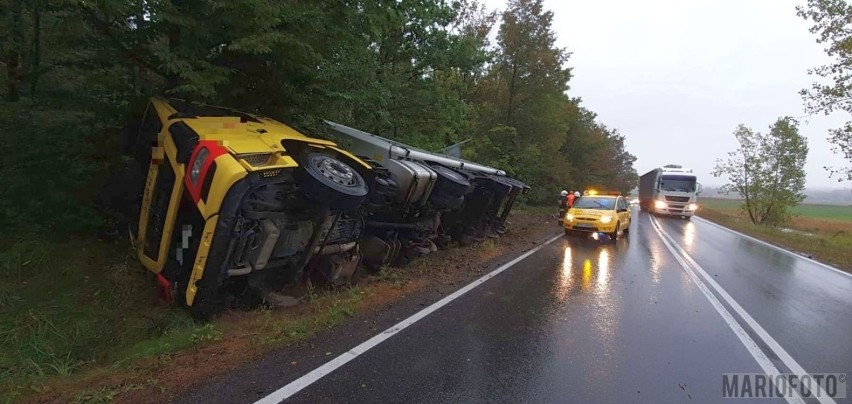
425 72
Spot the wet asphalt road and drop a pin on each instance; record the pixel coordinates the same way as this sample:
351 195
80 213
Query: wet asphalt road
589 321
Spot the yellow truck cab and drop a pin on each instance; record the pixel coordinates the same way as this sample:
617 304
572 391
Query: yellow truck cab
238 205
598 213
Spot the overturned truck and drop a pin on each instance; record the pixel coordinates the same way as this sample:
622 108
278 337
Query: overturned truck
241 209
423 201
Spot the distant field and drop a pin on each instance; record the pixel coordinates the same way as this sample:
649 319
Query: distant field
830 212
823 232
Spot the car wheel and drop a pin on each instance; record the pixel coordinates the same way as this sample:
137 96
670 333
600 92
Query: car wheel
614 235
627 229
331 182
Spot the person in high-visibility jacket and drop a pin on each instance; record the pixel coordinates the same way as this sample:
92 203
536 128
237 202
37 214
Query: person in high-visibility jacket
563 204
571 198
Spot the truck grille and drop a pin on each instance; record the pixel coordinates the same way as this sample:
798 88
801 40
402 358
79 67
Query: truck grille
677 198
256 159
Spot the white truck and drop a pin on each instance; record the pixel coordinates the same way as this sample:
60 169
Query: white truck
670 190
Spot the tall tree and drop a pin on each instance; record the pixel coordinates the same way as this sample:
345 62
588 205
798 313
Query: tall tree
187 42
416 53
530 64
832 21
619 164
767 171
522 102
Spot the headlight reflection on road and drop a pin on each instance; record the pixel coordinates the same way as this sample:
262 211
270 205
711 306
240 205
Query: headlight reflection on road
689 234
607 305
591 282
655 267
566 275
657 258
603 270
587 273
593 274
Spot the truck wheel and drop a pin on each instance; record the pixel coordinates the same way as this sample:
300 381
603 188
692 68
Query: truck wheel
331 182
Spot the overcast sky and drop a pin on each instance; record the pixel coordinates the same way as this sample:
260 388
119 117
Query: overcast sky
676 77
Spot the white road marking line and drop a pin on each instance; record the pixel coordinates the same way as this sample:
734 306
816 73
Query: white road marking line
689 265
320 372
776 247
762 360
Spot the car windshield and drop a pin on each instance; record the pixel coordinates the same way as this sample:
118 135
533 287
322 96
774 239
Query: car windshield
677 183
591 202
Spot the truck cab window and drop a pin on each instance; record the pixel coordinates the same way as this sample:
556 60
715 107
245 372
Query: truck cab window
678 183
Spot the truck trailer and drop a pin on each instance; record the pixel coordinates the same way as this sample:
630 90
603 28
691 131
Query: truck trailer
671 190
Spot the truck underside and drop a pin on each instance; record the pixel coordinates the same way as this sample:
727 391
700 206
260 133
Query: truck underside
222 228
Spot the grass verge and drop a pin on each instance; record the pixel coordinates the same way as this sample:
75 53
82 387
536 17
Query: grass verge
77 318
67 307
79 321
823 239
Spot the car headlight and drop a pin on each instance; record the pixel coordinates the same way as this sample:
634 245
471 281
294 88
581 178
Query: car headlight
200 158
606 219
660 205
692 206
569 218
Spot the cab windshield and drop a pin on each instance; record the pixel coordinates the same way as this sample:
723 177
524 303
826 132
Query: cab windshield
677 183
592 202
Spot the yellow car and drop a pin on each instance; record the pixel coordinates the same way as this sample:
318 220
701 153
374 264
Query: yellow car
238 205
598 213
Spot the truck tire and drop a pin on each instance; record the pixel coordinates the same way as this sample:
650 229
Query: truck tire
331 182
